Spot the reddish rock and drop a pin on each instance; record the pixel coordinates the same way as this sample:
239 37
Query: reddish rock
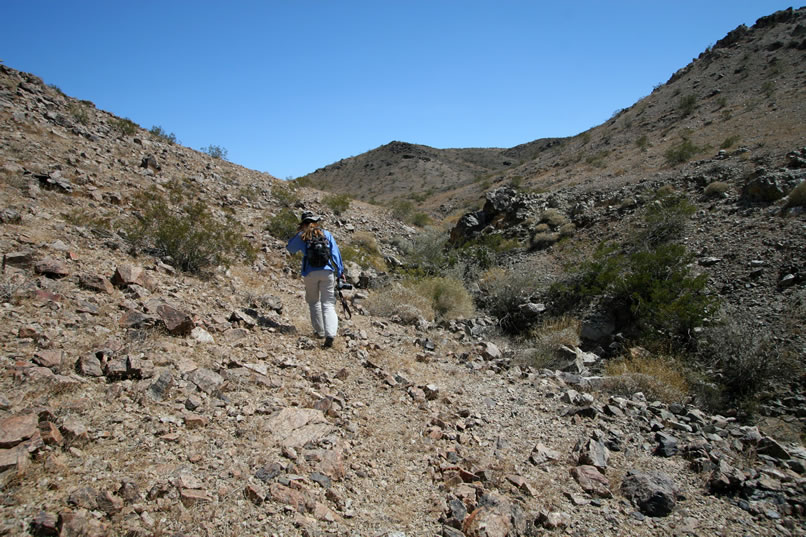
15 429
592 481
126 275
195 421
16 458
45 524
191 497
74 431
52 268
50 433
97 283
285 495
253 494
49 358
177 322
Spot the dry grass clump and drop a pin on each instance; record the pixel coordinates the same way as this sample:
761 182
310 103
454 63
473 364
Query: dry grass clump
658 377
449 298
552 334
365 241
397 300
716 189
553 217
797 198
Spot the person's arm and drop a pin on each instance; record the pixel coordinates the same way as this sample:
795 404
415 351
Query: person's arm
335 257
295 244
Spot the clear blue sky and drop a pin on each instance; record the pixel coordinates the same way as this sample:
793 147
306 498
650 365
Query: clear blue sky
290 86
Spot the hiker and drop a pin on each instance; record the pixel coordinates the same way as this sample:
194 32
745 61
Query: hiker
321 269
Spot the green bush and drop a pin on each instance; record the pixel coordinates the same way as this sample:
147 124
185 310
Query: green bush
682 152
79 113
283 225
160 133
338 203
647 280
729 142
687 105
125 126
190 235
363 250
215 151
642 143
285 194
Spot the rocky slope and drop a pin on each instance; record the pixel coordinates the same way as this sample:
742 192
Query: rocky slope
138 400
752 76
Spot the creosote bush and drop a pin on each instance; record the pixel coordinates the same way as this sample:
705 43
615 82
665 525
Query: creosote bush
189 235
682 152
160 133
283 225
338 203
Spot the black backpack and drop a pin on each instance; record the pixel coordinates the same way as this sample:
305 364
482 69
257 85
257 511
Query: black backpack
317 251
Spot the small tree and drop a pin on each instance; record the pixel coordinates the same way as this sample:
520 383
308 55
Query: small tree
215 151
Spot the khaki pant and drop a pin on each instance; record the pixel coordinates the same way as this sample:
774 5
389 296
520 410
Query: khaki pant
320 294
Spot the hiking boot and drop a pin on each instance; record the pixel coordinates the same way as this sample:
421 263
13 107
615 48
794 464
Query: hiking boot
328 342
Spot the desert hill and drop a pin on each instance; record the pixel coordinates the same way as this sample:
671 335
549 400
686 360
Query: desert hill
141 399
752 76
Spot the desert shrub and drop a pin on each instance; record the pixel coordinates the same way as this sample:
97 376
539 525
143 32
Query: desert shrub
505 291
420 219
665 218
215 151
660 378
716 189
648 280
402 209
426 252
190 235
729 142
160 133
401 301
481 252
285 195
642 143
797 197
553 217
283 225
746 360
549 336
338 203
448 296
125 126
567 230
79 113
687 105
544 239
363 250
682 152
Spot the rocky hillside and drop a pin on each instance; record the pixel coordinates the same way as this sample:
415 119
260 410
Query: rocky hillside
137 399
752 76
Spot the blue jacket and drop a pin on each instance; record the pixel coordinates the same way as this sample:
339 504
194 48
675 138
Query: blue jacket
296 244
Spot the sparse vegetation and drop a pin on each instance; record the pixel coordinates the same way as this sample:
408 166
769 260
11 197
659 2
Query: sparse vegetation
338 203
125 126
448 296
285 194
79 113
660 378
716 189
215 151
642 143
160 133
687 105
682 152
797 198
283 225
730 141
190 237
